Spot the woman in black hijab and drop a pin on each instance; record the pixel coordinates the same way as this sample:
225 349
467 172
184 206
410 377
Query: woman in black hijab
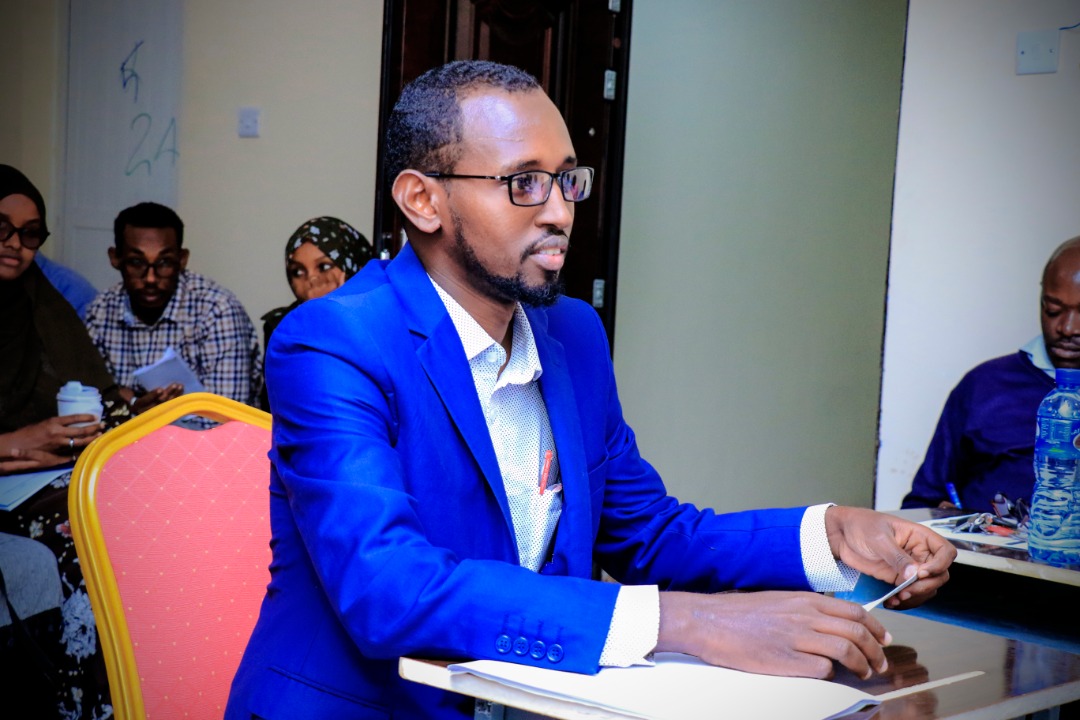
43 345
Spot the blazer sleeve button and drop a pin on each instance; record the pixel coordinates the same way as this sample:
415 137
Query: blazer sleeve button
555 652
521 646
503 643
537 650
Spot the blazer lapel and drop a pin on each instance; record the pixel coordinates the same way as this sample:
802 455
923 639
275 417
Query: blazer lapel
441 355
573 545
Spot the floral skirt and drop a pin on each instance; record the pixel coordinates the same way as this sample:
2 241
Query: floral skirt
83 685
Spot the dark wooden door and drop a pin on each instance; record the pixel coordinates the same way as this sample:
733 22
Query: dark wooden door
579 50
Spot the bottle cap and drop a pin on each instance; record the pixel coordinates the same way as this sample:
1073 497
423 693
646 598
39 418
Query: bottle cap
1067 376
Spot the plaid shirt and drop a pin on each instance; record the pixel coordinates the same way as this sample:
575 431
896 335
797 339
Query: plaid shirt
203 322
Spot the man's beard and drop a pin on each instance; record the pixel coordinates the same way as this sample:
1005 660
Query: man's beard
502 288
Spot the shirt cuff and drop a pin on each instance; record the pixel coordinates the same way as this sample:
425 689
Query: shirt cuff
635 627
824 572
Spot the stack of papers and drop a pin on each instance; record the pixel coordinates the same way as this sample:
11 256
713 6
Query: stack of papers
680 686
17 487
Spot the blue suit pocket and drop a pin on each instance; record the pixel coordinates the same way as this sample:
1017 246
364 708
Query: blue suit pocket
290 696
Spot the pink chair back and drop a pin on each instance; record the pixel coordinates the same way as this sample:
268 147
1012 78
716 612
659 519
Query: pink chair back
184 521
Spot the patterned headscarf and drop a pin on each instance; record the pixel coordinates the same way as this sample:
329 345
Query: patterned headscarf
341 242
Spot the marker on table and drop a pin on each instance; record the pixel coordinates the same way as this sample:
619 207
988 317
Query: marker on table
954 496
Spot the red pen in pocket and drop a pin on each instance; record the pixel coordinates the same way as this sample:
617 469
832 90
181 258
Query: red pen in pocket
548 455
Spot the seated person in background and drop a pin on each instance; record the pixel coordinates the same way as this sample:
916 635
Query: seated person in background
320 256
985 439
30 599
76 289
160 304
42 346
451 467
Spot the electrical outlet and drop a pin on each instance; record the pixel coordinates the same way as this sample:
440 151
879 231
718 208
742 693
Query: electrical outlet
1037 52
247 122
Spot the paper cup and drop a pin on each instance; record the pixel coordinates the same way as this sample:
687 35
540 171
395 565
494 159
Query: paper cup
75 398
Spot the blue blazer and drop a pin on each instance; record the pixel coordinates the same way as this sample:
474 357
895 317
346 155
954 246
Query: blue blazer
391 529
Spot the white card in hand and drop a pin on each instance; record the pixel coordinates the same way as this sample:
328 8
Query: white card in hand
873 604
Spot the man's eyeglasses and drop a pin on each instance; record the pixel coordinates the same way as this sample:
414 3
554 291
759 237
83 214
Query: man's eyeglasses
138 267
533 187
29 237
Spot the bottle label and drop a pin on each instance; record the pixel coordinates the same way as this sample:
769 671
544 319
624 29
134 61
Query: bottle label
1057 432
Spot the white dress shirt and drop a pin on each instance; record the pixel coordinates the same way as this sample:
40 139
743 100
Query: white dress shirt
520 432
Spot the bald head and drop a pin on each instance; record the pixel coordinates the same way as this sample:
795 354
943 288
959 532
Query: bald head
1060 305
1066 257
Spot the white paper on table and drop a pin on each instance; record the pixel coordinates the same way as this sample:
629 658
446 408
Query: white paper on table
169 368
17 487
680 686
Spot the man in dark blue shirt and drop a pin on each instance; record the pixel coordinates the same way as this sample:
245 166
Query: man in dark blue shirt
985 439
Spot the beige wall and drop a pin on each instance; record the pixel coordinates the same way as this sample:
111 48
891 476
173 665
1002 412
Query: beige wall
760 153
755 235
313 69
32 58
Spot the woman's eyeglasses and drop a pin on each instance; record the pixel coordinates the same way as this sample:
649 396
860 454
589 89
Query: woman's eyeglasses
29 237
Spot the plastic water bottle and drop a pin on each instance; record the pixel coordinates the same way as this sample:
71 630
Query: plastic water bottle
1054 537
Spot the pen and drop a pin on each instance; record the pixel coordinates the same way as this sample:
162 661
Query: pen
544 473
873 604
953 495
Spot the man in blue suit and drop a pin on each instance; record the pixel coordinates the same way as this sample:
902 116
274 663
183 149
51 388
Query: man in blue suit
451 464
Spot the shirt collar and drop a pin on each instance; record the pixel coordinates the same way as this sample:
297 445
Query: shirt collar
524 364
1035 349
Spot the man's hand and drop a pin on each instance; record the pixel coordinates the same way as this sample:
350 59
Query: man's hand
776 633
890 549
155 397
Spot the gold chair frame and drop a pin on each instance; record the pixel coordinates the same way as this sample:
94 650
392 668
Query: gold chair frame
112 626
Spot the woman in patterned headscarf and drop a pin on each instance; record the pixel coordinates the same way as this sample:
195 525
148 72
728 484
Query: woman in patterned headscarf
320 256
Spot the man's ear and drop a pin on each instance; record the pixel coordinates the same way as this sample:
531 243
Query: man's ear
114 259
418 198
183 259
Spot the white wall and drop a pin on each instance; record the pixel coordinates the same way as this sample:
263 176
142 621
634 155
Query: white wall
987 184
759 166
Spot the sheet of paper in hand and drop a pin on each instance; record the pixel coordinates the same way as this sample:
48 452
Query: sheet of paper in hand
169 368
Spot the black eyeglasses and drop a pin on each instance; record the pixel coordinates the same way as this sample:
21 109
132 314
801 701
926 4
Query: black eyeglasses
29 237
533 187
138 267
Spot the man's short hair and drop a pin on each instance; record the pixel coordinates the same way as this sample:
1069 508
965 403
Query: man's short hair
147 215
424 127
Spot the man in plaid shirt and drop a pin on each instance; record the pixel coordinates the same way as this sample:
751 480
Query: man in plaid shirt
160 304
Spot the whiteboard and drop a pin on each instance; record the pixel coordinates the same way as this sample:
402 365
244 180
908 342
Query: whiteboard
123 113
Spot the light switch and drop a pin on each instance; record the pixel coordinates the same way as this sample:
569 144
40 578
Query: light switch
247 122
1037 52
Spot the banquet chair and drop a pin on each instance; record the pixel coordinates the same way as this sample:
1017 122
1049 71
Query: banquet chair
172 530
